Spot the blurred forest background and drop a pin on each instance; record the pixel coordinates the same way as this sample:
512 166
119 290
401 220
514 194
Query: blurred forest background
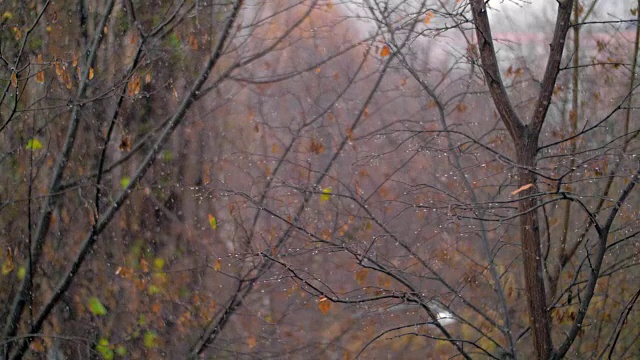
326 179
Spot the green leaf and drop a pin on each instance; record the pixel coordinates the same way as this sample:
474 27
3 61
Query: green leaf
96 307
150 339
22 271
125 181
326 194
152 289
213 222
121 350
158 264
104 349
34 144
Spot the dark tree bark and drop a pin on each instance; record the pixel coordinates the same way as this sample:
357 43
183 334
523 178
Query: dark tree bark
525 139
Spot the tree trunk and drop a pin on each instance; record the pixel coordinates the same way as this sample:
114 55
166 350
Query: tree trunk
530 241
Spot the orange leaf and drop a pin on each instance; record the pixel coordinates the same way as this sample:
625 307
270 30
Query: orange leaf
133 88
329 5
385 51
40 77
361 276
522 188
428 16
14 80
252 342
324 305
349 134
90 73
217 265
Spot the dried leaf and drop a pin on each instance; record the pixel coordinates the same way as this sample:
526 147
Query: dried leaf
349 132
361 276
324 305
133 88
329 5
14 80
522 188
125 143
427 17
316 147
385 51
40 77
251 342
217 265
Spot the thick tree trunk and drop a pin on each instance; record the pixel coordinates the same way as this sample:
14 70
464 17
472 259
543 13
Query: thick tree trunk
531 253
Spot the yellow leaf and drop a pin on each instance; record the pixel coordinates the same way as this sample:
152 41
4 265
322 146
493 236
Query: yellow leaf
385 51
522 188
34 144
7 266
324 305
213 222
217 265
326 194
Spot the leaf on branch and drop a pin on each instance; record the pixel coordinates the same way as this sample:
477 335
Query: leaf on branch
385 51
104 348
217 265
324 305
14 80
150 339
329 5
522 188
213 222
326 194
124 182
252 342
361 276
96 307
34 144
316 147
428 16
133 88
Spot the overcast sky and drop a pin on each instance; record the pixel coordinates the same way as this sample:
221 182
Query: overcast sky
535 15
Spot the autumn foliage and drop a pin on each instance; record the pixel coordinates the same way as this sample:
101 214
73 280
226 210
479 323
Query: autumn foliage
317 179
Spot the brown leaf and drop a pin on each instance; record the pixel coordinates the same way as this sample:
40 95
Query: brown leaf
522 188
133 88
316 147
361 276
324 305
